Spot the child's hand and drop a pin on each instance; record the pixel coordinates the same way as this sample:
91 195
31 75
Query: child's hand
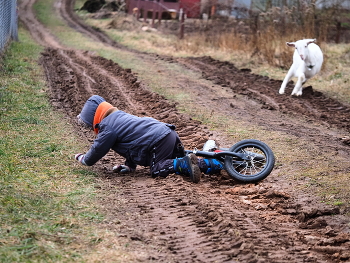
80 158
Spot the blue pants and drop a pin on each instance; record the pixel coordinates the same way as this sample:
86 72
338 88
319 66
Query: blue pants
164 153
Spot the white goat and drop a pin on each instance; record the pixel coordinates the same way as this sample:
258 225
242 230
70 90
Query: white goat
307 62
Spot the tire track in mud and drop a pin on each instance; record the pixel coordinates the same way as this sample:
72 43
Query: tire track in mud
65 7
38 32
176 221
212 222
207 225
75 76
314 116
313 106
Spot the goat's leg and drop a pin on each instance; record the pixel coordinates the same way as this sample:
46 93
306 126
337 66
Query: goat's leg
285 81
298 88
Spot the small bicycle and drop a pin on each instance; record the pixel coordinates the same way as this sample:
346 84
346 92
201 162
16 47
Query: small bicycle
247 161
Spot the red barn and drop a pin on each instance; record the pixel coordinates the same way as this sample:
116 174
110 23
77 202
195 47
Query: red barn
164 9
191 8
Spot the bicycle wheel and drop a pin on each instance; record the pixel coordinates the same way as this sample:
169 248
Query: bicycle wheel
257 165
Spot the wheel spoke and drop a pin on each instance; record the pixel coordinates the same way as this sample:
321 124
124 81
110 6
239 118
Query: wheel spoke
255 161
253 166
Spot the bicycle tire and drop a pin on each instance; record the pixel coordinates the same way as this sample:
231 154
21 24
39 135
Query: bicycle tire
258 167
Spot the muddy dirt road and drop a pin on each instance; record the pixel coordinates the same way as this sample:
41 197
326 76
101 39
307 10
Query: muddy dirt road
217 220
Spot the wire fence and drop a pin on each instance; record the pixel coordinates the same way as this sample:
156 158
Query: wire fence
8 23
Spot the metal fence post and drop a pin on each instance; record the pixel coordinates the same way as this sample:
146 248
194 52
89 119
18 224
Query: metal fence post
8 23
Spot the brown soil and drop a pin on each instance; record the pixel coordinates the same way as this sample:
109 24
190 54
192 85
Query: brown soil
217 220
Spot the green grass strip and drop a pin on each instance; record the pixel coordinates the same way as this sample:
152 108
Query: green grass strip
47 200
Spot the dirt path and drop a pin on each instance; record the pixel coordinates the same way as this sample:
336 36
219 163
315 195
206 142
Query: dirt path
218 220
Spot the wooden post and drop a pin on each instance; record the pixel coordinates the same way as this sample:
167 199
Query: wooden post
145 15
153 13
182 25
159 12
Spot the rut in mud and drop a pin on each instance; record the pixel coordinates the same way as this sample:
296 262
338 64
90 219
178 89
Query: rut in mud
209 222
218 220
313 105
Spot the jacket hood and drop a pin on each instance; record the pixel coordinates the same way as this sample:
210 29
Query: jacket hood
88 112
102 111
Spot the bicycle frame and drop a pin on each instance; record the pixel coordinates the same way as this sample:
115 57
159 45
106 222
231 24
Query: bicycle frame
247 161
218 154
